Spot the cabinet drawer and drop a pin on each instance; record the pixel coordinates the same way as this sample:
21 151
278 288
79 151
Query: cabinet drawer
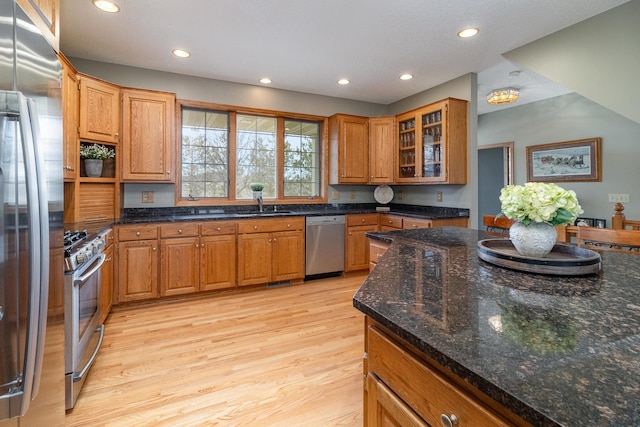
217 228
426 391
184 229
391 221
137 233
376 250
416 223
362 219
268 225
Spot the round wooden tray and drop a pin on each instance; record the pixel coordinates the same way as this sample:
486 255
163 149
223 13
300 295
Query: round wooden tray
563 260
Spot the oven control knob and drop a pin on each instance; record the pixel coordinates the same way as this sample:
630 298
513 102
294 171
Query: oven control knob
80 258
100 244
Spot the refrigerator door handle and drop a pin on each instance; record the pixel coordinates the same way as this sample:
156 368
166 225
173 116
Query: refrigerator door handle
43 245
38 264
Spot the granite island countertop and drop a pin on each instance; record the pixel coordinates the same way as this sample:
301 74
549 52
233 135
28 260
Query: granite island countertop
554 350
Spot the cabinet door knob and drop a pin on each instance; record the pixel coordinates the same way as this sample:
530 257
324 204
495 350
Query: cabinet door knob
168 172
448 420
275 240
197 245
154 249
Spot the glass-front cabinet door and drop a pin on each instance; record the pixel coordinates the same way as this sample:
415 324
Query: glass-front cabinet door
431 143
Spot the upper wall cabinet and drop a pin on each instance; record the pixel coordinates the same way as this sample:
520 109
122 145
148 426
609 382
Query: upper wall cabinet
432 144
70 119
348 149
46 16
99 110
381 155
148 136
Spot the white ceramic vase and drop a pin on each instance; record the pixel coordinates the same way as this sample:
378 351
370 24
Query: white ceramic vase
93 167
534 240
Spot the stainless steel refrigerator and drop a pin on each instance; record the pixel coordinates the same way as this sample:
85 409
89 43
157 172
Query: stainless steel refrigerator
31 192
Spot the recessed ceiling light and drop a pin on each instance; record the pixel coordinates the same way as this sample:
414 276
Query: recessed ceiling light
344 81
468 32
106 5
265 80
181 53
406 76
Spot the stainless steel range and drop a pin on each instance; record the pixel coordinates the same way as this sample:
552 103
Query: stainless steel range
83 332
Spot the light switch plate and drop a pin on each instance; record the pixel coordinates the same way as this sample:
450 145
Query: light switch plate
618 198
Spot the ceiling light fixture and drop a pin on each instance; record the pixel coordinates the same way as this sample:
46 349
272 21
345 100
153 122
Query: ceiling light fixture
467 32
344 81
181 53
503 96
406 76
106 6
265 80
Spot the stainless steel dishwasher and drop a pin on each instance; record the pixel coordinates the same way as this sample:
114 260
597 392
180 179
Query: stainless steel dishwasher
324 245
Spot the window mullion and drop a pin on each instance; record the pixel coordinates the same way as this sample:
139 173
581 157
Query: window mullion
232 155
280 158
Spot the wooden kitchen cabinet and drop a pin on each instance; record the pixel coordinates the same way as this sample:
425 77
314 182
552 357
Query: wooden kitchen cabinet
411 391
148 136
137 263
45 14
431 146
70 120
99 110
217 255
348 149
356 242
179 258
270 250
381 149
106 278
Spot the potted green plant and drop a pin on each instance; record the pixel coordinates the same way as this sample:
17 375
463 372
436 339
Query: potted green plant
537 208
257 188
94 156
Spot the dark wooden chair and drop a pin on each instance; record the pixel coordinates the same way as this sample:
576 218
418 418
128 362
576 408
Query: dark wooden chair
608 239
497 226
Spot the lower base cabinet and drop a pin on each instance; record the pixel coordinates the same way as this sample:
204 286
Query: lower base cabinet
404 390
137 270
106 282
270 250
218 262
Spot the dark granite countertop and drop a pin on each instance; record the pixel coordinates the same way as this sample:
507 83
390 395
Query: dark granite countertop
212 213
555 350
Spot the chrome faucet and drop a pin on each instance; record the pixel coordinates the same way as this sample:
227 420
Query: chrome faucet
259 200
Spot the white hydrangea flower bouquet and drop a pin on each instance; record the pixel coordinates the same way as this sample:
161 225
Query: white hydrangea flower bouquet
540 202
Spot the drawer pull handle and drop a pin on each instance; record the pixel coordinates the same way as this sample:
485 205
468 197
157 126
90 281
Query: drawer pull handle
137 233
218 229
255 227
379 256
180 231
448 420
288 225
363 220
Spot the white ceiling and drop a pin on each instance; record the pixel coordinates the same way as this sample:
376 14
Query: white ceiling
306 45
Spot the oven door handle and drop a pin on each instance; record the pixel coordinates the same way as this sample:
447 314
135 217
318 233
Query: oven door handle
78 377
84 277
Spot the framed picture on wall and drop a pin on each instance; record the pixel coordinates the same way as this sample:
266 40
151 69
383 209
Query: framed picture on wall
565 161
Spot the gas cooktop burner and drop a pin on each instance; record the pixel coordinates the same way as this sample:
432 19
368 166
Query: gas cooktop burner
73 238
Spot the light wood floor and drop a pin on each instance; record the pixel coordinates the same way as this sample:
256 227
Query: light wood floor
288 356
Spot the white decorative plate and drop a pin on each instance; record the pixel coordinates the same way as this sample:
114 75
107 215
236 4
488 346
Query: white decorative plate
383 194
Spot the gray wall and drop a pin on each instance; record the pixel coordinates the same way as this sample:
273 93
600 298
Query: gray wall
572 117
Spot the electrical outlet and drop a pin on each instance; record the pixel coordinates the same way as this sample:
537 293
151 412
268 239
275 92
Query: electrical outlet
335 195
353 195
439 196
147 197
621 198
399 195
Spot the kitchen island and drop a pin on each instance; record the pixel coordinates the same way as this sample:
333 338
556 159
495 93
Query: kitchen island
549 350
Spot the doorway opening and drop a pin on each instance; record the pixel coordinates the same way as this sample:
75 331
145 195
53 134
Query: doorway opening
495 171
